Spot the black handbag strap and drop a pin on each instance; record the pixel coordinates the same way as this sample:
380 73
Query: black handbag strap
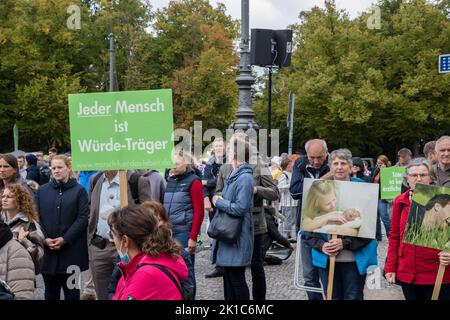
167 272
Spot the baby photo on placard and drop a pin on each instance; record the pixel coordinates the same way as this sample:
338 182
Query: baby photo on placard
340 207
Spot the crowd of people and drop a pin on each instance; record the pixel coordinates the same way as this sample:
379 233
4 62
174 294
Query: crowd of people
53 220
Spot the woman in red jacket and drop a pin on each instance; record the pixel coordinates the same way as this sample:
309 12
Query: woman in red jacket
151 265
414 267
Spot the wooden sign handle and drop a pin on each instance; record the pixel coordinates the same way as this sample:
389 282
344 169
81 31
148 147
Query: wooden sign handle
123 188
331 273
438 283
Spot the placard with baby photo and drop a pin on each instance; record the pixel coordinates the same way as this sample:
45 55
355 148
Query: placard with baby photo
428 222
340 207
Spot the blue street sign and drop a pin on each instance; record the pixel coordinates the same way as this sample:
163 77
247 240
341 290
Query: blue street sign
444 63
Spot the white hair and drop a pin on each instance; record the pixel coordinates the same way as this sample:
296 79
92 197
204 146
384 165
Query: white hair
441 139
343 154
324 144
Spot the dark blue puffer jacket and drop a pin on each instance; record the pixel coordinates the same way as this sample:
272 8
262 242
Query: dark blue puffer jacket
178 202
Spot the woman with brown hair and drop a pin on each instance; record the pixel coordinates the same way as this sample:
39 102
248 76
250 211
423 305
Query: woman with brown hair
19 213
10 173
64 213
160 212
151 265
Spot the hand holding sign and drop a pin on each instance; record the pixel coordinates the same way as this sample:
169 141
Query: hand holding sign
444 258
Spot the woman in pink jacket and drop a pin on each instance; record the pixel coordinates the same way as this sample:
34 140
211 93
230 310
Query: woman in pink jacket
151 265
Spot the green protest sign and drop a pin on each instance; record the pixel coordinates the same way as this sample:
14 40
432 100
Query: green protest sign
121 130
391 182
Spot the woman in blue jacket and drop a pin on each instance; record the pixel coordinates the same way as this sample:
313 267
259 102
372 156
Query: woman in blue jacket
353 255
64 213
237 201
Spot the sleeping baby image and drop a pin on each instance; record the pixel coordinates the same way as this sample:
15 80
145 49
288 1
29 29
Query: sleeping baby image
350 227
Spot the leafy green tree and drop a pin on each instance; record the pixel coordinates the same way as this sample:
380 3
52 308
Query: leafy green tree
187 46
192 52
41 61
370 90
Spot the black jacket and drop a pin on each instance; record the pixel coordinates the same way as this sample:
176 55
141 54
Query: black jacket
299 173
33 173
315 240
272 229
210 174
64 212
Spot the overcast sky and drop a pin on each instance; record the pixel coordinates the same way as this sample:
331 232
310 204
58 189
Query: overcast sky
278 14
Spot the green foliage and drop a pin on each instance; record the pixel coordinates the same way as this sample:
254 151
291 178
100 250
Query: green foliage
186 46
41 62
370 90
424 193
49 112
193 54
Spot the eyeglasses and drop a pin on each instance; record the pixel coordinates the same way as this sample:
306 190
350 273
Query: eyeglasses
7 196
415 175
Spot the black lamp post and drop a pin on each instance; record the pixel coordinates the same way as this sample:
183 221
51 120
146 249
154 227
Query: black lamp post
245 79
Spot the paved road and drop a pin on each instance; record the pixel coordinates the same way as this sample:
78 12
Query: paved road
280 280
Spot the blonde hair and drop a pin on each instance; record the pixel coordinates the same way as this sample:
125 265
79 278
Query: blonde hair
187 157
319 188
66 161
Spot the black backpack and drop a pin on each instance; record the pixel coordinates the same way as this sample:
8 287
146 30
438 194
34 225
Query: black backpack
133 183
186 290
45 174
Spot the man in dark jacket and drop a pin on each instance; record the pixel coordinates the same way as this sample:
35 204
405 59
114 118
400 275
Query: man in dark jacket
265 189
314 166
209 182
32 168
